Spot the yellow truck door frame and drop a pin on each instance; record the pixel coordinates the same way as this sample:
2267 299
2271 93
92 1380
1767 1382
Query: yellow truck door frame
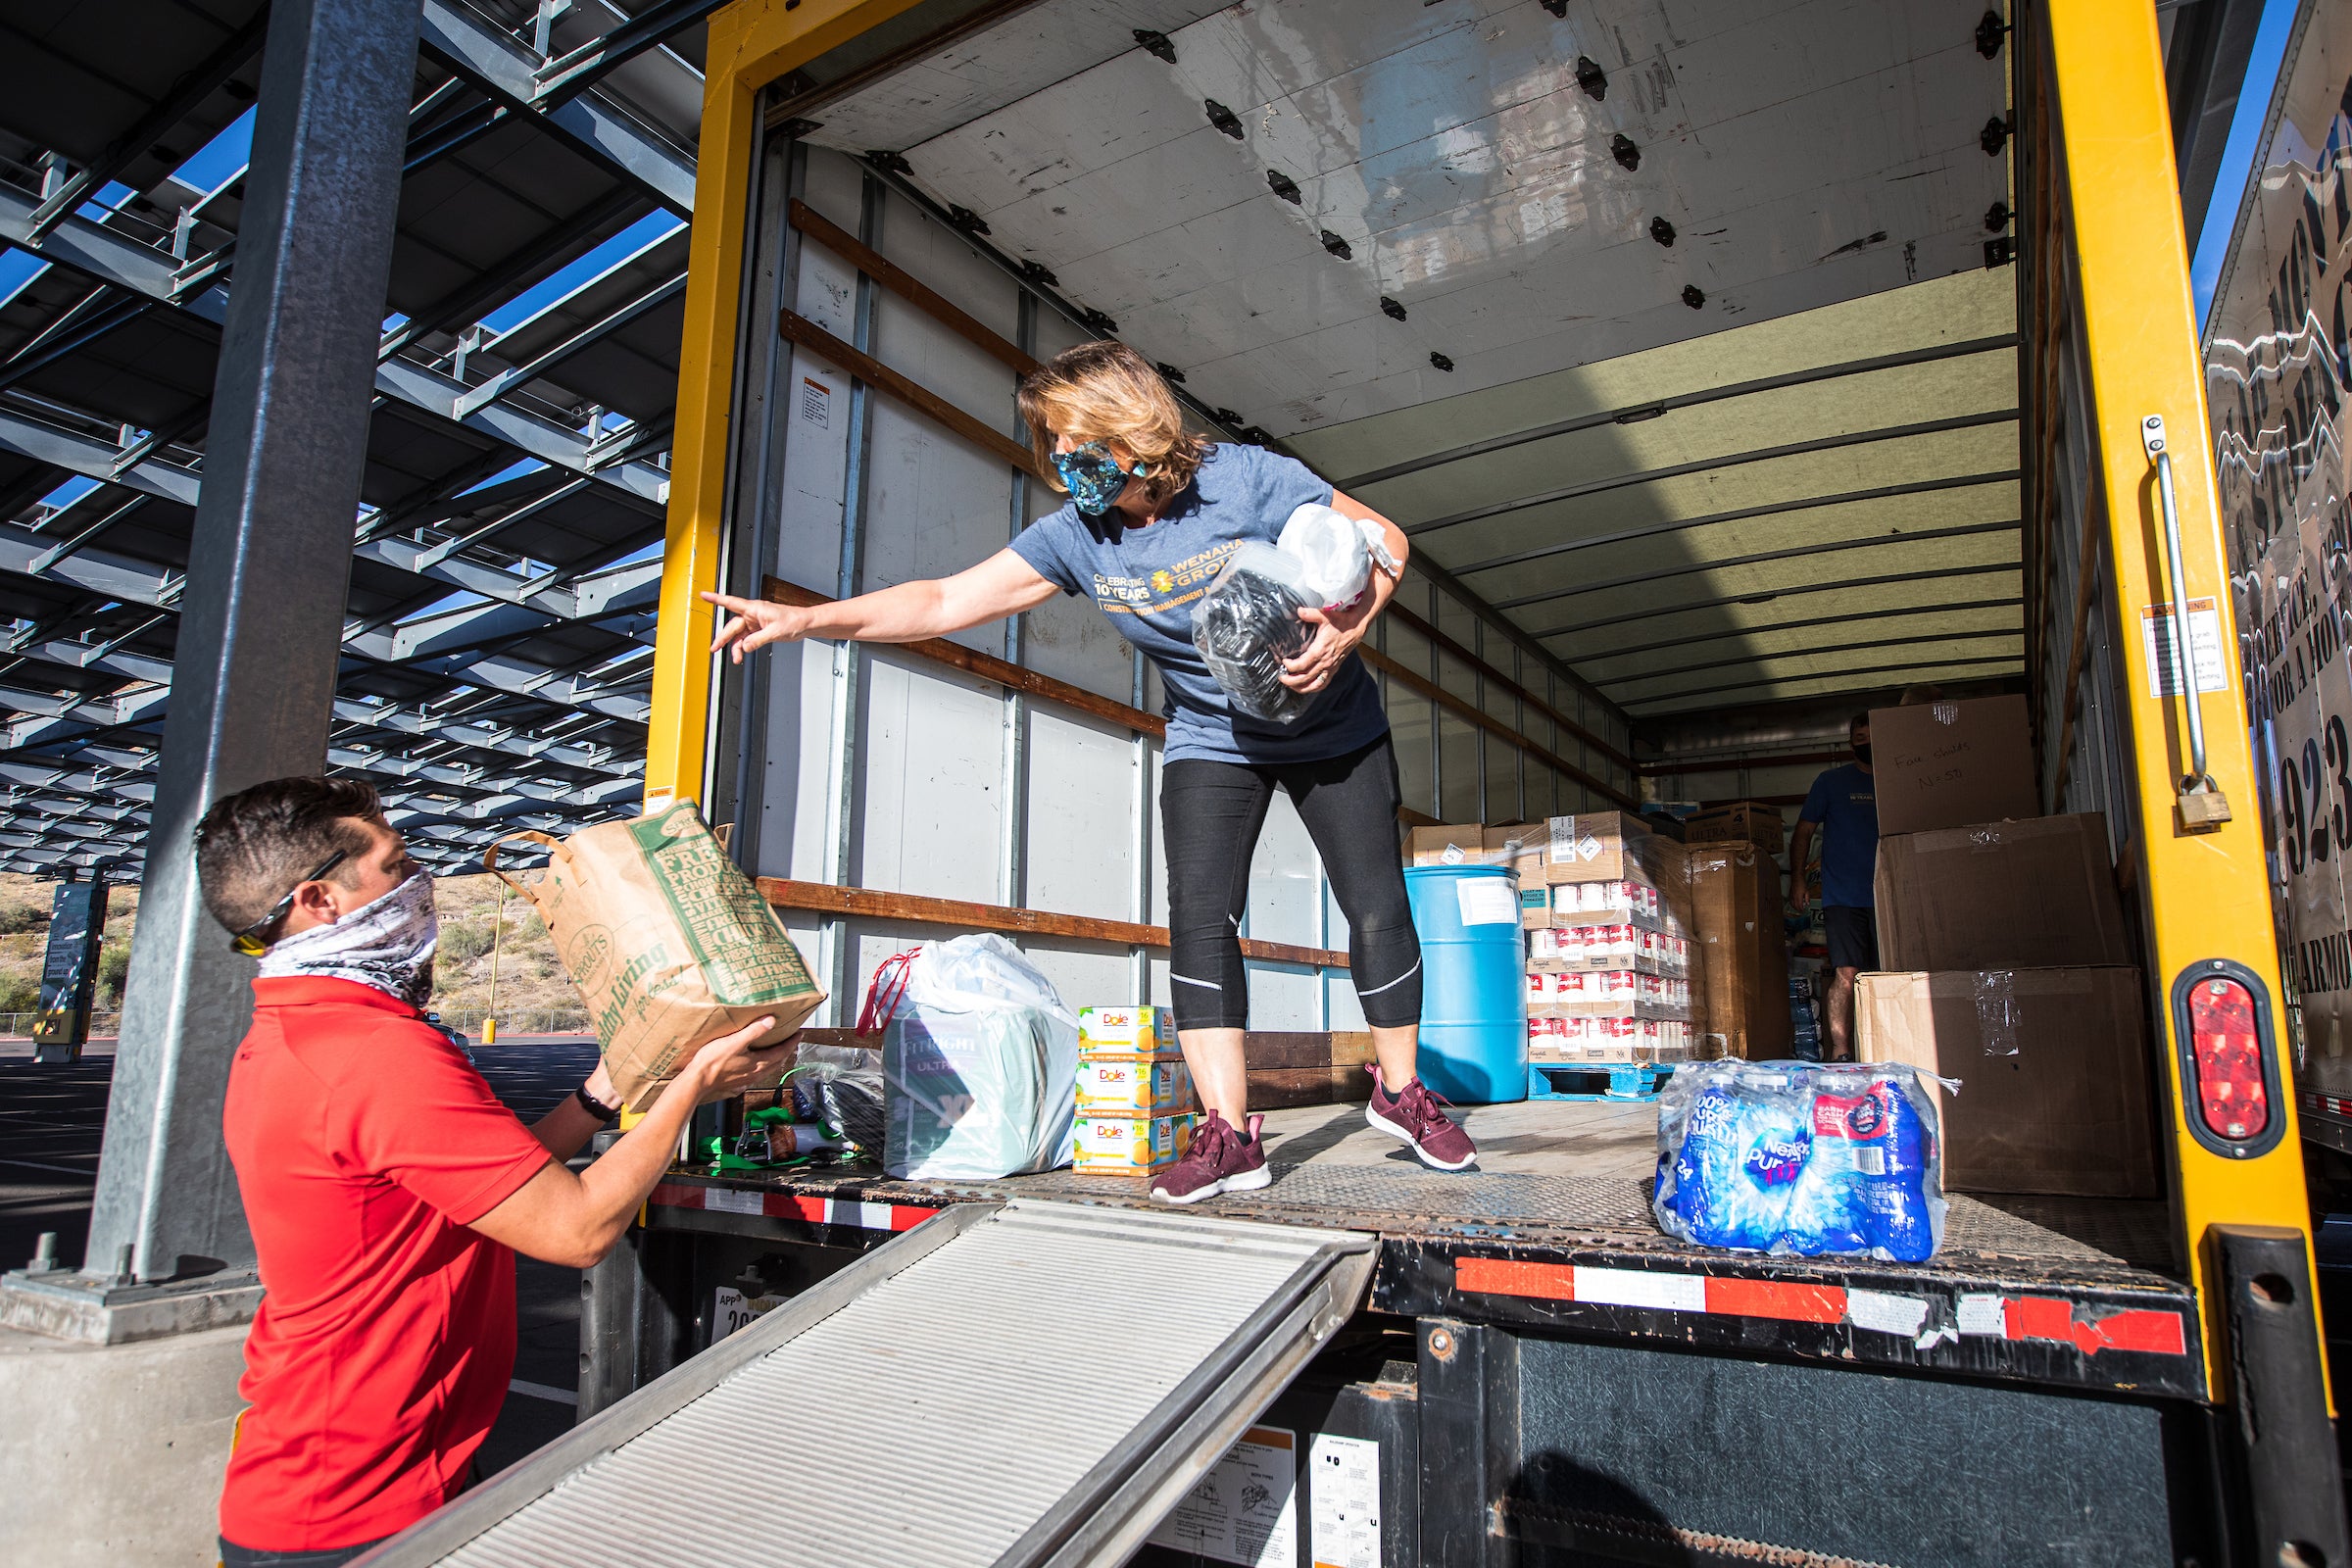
2108 202
751 44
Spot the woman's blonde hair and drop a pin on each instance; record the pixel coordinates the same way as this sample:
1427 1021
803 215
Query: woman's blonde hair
1106 391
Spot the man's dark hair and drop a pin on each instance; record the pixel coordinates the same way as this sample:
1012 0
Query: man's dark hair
1857 722
254 846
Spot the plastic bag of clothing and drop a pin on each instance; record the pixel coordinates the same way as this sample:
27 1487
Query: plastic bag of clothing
1248 623
1334 552
1794 1158
979 1062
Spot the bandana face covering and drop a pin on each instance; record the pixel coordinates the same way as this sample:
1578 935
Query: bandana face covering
387 943
1093 477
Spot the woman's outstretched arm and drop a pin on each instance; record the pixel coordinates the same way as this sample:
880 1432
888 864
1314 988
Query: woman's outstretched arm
1001 585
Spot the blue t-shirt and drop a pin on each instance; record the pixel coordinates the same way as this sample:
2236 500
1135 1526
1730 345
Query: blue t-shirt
1148 579
1845 801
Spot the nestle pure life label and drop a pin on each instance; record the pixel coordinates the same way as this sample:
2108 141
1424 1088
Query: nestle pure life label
1130 1146
1132 1086
1126 1032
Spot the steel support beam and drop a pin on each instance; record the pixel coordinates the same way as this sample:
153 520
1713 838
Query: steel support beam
261 615
102 254
502 65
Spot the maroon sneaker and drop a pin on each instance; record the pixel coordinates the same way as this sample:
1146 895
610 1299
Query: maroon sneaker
1414 1116
1220 1161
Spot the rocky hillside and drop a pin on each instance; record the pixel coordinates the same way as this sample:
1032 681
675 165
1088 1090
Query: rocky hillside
477 936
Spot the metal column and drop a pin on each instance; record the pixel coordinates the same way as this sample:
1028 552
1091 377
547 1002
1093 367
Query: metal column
262 613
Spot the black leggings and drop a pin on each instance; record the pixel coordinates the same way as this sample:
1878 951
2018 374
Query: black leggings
1210 814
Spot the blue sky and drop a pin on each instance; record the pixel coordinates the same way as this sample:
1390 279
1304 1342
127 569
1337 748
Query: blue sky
2212 245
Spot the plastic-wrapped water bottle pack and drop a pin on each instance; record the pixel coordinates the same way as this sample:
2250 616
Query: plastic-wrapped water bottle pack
1788 1157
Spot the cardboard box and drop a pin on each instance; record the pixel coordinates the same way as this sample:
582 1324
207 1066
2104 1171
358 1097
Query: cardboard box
1595 847
1452 843
1740 949
2036 893
1756 822
1130 1146
1519 845
2054 1070
1132 1086
1947 764
1127 1032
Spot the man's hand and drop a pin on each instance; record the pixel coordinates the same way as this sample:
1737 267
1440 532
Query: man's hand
1337 632
1800 895
728 1065
756 623
573 1219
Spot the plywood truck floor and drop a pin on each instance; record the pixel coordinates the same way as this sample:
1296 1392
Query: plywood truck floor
1553 1171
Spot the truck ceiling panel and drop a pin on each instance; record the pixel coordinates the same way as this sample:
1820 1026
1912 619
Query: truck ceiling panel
973 77
1818 152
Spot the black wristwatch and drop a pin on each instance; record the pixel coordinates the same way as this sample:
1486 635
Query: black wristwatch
593 1106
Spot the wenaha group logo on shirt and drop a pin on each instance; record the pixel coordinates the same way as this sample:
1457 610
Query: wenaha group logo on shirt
1165 588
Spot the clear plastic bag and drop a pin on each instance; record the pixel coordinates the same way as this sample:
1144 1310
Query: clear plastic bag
979 1066
1801 1158
1334 555
841 1086
1247 624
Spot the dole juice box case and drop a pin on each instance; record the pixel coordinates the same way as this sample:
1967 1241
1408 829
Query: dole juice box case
1130 1146
1126 1032
1132 1086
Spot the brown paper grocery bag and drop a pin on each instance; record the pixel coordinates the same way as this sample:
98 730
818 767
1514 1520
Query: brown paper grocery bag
669 943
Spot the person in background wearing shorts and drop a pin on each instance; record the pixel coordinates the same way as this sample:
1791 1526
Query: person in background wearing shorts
1153 512
1842 807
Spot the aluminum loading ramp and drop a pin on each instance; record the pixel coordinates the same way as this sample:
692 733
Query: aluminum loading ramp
1046 1380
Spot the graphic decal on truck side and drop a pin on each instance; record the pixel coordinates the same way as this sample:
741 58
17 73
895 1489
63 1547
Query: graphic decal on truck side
2278 362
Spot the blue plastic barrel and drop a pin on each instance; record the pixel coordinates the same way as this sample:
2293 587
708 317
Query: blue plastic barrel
1473 986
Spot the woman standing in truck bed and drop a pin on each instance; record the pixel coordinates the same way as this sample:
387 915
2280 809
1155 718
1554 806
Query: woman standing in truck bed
1153 512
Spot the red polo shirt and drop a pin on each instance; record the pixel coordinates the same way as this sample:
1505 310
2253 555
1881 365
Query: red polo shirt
364 1143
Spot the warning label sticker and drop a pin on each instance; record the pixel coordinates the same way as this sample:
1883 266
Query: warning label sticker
1244 1510
1343 1501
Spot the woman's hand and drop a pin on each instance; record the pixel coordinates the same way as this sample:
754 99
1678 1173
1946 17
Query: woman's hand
1337 632
756 623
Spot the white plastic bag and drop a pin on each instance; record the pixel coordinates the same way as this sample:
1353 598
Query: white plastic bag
1334 552
979 1066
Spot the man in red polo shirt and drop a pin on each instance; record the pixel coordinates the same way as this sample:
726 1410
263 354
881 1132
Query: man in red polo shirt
386 1187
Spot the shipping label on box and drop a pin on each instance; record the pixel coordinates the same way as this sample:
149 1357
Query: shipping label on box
1130 1146
1132 1086
1126 1032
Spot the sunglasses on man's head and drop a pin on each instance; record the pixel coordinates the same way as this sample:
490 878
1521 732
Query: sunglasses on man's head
248 941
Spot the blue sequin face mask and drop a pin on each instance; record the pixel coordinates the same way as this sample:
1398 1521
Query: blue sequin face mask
1093 477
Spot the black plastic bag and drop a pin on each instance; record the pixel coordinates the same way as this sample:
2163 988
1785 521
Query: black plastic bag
1247 624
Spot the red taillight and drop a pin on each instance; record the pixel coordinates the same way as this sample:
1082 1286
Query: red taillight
2227 1048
